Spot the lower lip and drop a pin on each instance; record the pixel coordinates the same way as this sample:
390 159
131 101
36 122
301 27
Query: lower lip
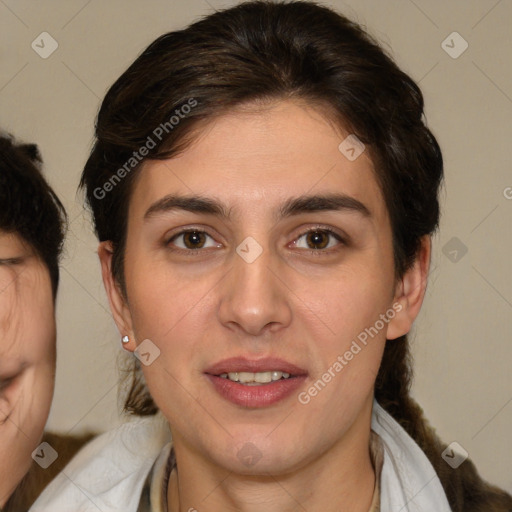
256 396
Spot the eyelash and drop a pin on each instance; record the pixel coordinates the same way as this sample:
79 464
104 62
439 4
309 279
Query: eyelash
320 229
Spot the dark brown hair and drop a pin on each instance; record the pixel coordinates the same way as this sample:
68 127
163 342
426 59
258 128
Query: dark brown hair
28 205
260 52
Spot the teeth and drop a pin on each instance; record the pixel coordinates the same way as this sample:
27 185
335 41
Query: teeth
255 378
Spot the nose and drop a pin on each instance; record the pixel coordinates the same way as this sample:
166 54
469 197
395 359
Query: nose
254 298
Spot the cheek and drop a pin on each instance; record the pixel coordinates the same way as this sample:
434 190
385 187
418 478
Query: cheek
32 341
158 311
162 301
37 347
27 322
351 351
355 300
39 326
171 312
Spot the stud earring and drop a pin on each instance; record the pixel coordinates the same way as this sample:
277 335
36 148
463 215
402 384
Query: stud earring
125 339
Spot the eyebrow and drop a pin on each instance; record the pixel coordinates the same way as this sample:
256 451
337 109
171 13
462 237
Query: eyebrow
292 206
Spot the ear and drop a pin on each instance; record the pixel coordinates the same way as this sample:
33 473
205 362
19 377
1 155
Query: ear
117 301
409 293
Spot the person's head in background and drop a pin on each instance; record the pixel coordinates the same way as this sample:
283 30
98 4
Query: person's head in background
249 107
32 227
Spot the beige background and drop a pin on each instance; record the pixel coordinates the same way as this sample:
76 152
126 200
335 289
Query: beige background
462 341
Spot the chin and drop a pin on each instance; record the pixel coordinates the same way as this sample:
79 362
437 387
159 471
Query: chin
258 455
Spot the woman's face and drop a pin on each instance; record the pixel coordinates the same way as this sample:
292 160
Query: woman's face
253 292
27 357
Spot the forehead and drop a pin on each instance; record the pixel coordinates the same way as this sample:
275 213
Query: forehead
258 159
12 242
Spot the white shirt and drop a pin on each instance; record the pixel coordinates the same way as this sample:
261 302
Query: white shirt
109 473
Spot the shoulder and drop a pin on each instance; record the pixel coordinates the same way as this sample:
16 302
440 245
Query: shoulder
408 480
428 482
109 472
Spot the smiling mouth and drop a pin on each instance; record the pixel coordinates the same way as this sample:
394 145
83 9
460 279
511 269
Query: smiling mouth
253 383
255 379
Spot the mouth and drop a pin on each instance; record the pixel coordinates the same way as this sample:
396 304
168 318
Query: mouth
255 379
255 383
260 371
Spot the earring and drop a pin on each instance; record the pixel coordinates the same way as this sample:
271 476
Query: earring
125 339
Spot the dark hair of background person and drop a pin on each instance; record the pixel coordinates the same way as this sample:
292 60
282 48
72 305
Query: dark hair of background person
256 53
28 206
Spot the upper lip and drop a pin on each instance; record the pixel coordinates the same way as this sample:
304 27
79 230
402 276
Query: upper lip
242 364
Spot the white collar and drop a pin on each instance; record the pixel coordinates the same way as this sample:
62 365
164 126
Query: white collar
408 482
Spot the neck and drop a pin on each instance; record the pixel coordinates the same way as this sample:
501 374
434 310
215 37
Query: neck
341 479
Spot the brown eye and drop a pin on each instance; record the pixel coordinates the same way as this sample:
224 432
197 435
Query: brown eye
319 239
189 240
194 239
